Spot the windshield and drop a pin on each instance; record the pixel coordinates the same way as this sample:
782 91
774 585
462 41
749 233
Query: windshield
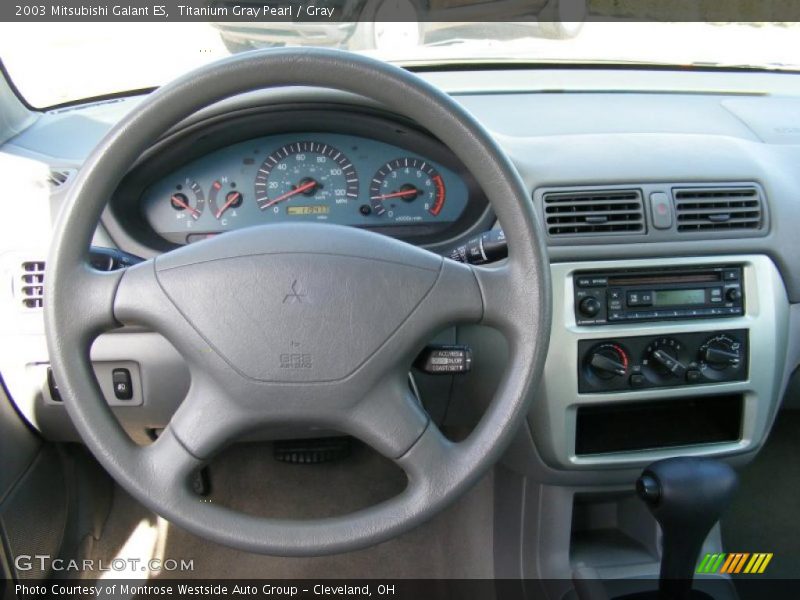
53 63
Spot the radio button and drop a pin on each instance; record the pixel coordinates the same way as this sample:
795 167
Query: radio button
733 294
640 298
730 275
715 295
589 306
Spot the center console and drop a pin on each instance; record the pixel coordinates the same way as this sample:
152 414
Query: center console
647 356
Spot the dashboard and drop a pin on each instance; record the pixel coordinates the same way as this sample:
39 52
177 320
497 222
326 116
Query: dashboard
604 171
310 176
670 213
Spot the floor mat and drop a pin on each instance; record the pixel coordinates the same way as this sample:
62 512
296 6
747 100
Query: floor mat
457 543
764 515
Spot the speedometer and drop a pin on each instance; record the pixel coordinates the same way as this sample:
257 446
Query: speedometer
305 179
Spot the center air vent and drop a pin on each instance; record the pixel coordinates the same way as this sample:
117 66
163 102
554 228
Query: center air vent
718 209
595 212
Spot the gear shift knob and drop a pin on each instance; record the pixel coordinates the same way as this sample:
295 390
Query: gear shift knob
686 496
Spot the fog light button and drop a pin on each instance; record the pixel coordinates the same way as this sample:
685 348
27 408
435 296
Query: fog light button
123 386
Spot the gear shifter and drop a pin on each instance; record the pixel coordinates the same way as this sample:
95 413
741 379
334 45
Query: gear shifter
686 496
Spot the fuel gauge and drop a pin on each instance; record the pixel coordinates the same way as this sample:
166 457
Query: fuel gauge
188 201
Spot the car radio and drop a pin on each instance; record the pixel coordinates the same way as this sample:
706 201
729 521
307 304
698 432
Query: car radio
604 297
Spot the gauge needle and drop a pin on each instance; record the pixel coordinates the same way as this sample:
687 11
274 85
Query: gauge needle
298 190
181 203
233 198
395 194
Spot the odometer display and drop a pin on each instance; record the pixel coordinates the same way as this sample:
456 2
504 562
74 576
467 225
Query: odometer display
304 171
320 209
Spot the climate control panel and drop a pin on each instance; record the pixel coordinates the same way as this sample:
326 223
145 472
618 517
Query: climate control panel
662 361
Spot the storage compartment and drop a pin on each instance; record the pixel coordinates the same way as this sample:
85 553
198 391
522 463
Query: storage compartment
625 427
612 530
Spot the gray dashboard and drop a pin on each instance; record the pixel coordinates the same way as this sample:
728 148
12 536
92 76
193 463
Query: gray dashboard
565 130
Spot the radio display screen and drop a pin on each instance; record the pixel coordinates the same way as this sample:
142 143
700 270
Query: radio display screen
679 297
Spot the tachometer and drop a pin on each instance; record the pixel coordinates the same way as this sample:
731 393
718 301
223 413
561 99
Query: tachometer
307 178
405 187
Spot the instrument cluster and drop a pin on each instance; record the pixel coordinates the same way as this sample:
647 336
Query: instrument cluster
323 177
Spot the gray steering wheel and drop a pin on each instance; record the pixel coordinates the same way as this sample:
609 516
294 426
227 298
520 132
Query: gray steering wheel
321 323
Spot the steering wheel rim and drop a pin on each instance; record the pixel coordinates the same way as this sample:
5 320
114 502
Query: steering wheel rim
80 303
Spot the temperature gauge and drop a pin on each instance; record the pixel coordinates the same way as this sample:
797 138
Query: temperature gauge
224 200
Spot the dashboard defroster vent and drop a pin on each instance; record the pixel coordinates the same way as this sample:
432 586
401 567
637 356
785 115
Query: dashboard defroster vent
718 208
594 212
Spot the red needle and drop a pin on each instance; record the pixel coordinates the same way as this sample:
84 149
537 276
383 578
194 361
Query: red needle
181 203
298 190
233 198
395 195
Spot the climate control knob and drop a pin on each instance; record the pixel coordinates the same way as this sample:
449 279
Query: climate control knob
665 360
721 352
607 361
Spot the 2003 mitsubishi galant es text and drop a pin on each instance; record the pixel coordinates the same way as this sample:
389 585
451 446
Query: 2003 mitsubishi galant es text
304 312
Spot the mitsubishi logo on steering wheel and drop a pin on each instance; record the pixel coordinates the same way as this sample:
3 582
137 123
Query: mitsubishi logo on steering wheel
295 295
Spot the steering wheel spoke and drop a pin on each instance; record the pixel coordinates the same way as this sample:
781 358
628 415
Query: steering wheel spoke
168 462
428 459
390 418
90 301
510 299
208 419
140 300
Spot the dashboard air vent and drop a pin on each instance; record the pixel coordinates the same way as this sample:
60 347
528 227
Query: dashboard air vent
30 287
59 177
718 209
594 212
